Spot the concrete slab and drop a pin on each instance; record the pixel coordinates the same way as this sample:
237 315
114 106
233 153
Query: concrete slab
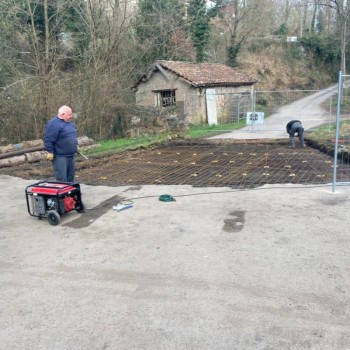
265 268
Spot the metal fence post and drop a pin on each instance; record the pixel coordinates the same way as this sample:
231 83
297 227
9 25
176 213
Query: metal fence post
238 107
337 133
330 112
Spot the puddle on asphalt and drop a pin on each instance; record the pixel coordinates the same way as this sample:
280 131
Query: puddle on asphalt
234 222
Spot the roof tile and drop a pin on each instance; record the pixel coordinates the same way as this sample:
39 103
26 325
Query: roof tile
207 74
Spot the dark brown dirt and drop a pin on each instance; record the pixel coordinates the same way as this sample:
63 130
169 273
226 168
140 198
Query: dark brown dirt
202 164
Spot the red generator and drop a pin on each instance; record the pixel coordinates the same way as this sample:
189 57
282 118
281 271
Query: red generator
50 199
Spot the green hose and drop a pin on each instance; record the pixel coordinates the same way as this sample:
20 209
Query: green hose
166 198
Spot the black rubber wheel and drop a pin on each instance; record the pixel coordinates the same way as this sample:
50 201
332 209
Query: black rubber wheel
80 208
53 217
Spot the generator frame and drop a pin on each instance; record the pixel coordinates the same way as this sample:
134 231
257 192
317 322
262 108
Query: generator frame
46 199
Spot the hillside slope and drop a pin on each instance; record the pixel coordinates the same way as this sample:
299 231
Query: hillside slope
283 67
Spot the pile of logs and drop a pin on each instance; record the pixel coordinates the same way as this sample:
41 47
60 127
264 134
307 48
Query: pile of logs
29 151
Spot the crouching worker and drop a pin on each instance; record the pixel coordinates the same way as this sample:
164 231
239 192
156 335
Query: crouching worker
294 126
60 142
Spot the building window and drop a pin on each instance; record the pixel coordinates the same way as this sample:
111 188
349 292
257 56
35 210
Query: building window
166 98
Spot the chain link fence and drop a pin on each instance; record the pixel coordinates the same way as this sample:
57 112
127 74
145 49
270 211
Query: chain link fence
234 107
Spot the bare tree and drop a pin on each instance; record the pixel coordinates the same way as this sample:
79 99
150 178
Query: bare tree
34 38
73 52
342 9
239 20
104 79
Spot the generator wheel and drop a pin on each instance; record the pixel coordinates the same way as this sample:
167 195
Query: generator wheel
80 208
53 217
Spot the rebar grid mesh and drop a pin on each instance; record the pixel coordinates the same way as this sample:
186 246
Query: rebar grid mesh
217 165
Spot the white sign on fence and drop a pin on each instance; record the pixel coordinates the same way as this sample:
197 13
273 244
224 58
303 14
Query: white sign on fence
255 118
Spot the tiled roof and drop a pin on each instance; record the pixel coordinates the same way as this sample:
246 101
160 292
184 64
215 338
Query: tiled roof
207 74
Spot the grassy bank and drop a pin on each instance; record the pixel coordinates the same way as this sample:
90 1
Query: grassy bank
147 140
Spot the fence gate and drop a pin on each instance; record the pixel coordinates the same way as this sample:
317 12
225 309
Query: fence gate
211 107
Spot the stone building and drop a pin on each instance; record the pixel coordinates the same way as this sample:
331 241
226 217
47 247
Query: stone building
197 92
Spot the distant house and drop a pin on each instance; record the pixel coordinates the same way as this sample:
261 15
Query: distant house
199 92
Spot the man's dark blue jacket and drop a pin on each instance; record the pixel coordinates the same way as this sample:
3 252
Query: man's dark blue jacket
290 124
60 137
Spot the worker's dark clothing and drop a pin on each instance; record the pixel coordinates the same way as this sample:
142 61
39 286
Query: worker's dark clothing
64 168
294 126
60 138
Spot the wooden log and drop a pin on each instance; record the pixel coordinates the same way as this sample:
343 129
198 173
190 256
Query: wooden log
17 160
8 148
20 152
32 143
15 150
33 157
21 146
82 140
85 141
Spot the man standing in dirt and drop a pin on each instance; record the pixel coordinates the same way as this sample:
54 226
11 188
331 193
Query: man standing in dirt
292 127
60 141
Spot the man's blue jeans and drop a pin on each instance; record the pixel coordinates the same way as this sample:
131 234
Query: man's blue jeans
64 168
296 128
